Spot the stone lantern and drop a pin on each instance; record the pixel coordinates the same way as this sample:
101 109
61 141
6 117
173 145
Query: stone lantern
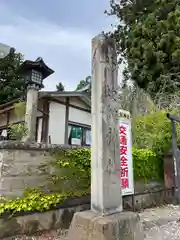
33 72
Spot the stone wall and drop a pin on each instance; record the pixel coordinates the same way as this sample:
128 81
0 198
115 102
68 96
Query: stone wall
60 218
23 165
30 223
151 198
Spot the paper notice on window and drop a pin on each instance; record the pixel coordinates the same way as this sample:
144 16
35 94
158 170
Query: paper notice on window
88 137
76 141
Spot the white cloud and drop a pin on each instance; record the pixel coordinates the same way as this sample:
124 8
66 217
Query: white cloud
67 51
48 34
61 48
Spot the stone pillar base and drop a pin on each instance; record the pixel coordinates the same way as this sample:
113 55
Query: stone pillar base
119 226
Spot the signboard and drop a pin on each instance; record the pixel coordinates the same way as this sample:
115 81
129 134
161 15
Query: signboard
126 164
88 137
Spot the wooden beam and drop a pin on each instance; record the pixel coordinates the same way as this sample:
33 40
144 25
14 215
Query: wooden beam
45 121
66 121
71 105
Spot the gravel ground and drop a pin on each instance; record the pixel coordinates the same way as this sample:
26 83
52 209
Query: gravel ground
170 231
50 235
162 223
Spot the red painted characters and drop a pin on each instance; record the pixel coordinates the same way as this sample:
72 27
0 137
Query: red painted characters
124 157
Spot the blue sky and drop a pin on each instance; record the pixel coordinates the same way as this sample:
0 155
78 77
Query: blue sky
60 31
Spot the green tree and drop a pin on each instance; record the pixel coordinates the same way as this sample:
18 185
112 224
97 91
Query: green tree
148 38
84 83
12 84
60 87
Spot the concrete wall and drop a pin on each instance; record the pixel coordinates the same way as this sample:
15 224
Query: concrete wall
39 130
22 166
78 102
57 122
31 223
78 116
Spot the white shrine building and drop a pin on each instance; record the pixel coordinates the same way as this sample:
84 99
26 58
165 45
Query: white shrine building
62 118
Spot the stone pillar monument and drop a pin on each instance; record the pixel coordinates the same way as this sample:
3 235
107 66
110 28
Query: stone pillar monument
31 112
105 220
105 160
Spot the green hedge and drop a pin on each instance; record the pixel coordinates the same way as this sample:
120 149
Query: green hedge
76 162
153 131
35 200
147 165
